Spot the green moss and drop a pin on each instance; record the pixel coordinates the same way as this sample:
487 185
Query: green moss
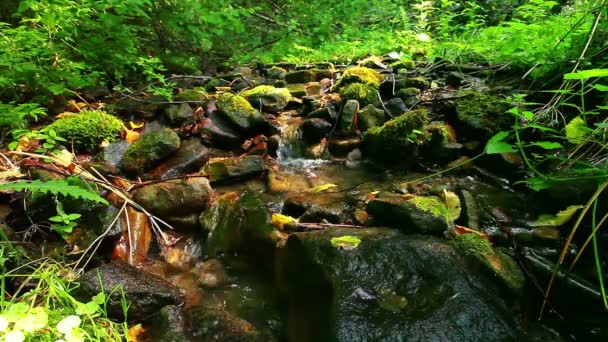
397 139
420 83
281 94
195 94
276 73
430 204
437 133
360 75
150 150
405 93
88 129
365 94
483 112
503 266
407 64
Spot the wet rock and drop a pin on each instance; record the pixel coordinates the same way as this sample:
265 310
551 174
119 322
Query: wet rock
216 324
279 182
224 169
347 123
396 141
409 96
316 207
213 84
113 153
316 151
454 79
395 107
407 64
469 216
241 114
370 116
327 113
390 287
149 151
239 223
178 113
211 273
395 83
301 76
175 197
145 293
342 147
268 98
190 157
495 262
419 214
313 130
168 325
217 131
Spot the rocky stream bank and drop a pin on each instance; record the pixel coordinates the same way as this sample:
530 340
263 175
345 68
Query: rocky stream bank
314 203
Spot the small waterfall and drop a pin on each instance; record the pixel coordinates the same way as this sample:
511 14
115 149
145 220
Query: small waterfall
292 150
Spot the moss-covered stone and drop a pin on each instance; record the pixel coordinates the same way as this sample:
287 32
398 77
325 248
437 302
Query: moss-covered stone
430 204
420 83
363 93
194 94
150 150
420 214
360 75
268 97
301 76
176 197
500 264
239 112
483 113
178 113
276 73
406 64
398 139
87 129
297 89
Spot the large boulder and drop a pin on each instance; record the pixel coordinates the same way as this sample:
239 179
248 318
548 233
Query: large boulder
149 151
145 293
176 197
389 287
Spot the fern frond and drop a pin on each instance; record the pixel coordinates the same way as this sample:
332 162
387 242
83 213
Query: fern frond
55 187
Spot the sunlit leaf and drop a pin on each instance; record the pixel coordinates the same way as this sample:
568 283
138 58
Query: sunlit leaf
135 125
600 87
346 242
547 145
131 136
556 220
542 128
577 130
322 187
280 220
452 202
134 333
586 74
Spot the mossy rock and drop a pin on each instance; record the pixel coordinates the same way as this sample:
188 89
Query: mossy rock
361 75
198 94
297 89
150 150
268 97
88 129
420 83
406 64
397 140
483 113
301 76
276 73
239 112
420 214
363 93
178 113
497 263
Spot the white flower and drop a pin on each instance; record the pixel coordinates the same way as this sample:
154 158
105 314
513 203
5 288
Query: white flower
3 323
68 324
14 336
423 37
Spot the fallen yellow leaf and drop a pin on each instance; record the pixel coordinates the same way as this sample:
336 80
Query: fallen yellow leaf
134 332
135 125
64 157
280 220
322 187
65 115
131 136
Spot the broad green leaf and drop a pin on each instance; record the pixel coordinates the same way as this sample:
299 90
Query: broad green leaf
538 183
499 147
542 128
556 220
35 319
55 187
577 130
89 308
547 145
16 311
600 87
602 125
347 242
586 74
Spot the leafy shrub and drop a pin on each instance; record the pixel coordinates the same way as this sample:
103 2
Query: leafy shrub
88 128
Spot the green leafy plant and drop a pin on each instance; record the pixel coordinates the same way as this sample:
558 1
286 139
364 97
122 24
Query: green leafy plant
49 138
55 187
15 116
64 223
